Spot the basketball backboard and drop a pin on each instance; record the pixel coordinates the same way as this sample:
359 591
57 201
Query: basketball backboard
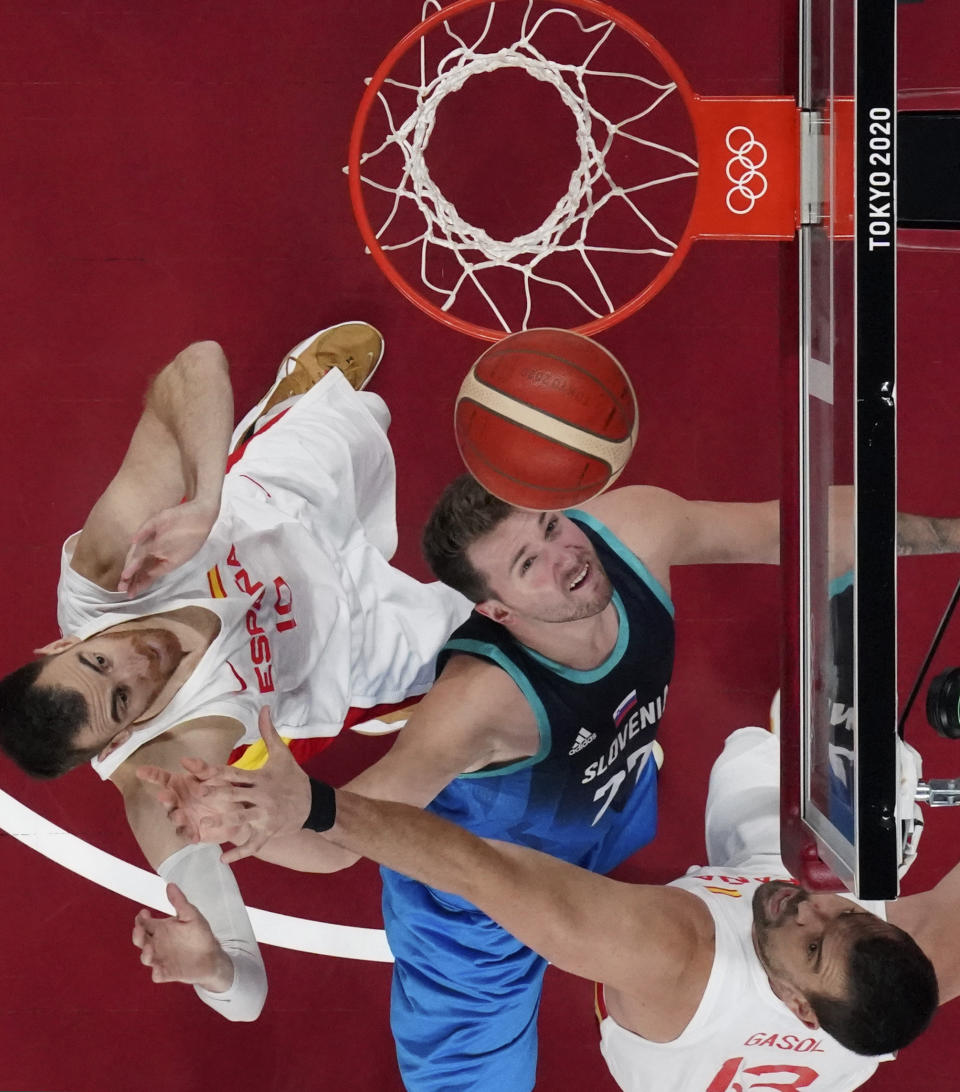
839 715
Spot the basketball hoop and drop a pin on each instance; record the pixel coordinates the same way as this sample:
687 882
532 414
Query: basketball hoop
658 166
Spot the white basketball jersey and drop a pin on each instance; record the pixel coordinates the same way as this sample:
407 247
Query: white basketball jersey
313 618
743 1038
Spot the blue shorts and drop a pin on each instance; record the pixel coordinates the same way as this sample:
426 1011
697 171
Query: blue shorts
465 992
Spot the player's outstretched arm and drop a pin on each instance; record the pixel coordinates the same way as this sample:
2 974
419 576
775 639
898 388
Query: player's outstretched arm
664 529
651 943
927 535
473 716
138 529
916 535
209 941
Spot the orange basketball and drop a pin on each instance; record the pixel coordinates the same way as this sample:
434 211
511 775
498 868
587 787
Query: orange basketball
546 419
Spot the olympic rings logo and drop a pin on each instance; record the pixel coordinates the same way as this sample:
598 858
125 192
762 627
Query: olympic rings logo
743 170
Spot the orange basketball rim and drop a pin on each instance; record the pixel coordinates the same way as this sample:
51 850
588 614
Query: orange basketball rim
747 165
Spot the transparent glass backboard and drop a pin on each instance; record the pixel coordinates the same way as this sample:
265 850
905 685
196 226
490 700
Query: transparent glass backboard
846 614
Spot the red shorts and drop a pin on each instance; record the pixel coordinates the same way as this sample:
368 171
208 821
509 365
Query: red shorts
251 756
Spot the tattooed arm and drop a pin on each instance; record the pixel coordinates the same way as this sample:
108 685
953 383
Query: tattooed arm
927 535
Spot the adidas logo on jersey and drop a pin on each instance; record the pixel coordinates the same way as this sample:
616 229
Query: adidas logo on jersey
584 739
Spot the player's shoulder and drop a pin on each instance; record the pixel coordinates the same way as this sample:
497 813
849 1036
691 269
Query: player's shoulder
630 504
466 678
643 517
473 697
473 716
656 988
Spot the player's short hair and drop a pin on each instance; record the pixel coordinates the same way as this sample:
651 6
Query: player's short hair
38 724
891 997
464 513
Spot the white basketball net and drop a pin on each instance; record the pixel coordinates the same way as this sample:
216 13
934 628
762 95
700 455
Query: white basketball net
590 188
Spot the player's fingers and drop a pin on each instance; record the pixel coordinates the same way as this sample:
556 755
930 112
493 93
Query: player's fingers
200 769
232 797
249 839
217 808
237 853
147 529
231 788
146 573
252 814
131 560
137 567
131 587
142 929
154 775
168 798
268 733
184 909
224 803
173 892
125 583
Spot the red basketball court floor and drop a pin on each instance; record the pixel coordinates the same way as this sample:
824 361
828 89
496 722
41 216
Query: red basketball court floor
173 171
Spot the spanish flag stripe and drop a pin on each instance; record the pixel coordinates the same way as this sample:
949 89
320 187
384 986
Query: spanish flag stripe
217 590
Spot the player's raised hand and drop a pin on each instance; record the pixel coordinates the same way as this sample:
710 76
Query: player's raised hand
226 804
275 799
182 948
163 542
198 802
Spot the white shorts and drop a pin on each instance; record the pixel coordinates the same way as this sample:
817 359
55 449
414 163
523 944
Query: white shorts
743 803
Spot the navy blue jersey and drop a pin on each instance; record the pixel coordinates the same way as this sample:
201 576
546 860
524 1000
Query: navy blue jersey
594 773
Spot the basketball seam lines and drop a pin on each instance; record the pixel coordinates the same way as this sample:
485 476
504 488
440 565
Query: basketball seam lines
546 435
614 444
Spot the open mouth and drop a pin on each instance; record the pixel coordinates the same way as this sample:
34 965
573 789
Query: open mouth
580 577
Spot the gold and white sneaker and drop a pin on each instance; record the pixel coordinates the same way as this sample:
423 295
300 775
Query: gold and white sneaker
355 348
774 724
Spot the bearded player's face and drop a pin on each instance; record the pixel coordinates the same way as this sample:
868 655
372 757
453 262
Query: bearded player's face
542 567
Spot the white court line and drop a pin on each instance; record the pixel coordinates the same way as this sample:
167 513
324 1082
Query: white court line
147 889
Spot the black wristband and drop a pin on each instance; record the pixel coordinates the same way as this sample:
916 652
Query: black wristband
323 807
